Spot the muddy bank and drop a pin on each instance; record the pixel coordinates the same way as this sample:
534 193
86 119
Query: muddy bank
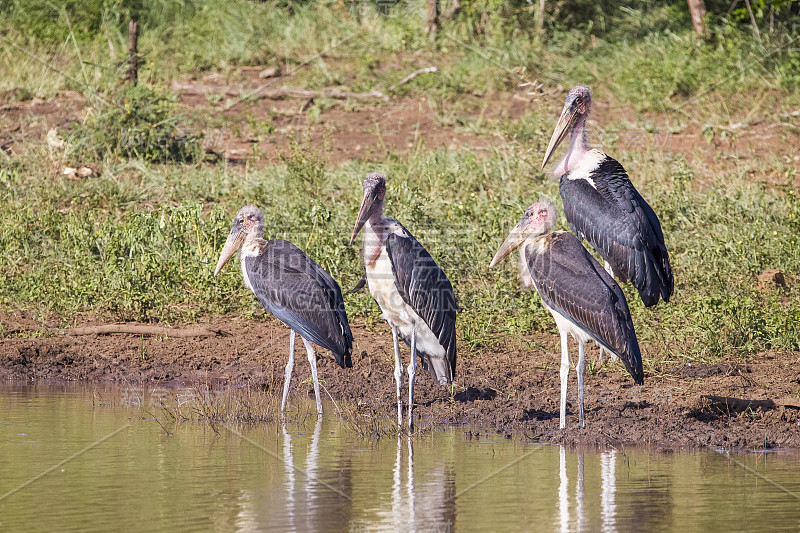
747 404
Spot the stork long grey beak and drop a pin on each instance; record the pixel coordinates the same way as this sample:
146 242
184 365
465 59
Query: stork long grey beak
569 116
364 213
234 241
518 235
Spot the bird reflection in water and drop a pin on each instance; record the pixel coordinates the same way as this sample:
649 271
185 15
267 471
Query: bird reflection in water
310 474
420 500
608 504
608 489
563 498
581 520
288 461
425 506
399 506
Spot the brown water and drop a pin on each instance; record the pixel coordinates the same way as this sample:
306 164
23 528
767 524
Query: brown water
92 458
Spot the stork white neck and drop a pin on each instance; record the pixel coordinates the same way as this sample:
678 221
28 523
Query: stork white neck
374 236
538 242
578 146
252 247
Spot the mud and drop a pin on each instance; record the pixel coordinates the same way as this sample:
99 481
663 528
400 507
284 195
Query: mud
508 390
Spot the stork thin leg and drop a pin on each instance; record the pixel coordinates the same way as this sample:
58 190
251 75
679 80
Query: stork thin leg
398 376
312 359
563 374
412 375
581 370
287 378
609 269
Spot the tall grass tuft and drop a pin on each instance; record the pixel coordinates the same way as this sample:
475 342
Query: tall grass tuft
141 123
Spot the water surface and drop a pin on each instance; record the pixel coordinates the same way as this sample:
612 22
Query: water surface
79 457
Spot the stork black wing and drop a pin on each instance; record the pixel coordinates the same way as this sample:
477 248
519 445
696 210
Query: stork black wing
302 295
572 282
423 286
622 227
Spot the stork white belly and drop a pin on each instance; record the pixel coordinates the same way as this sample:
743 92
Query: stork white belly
395 310
565 324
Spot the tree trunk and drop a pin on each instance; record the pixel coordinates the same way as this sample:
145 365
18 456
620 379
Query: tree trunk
540 19
456 9
433 18
133 51
753 21
697 8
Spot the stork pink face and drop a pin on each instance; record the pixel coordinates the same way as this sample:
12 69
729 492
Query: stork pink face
539 219
542 213
249 223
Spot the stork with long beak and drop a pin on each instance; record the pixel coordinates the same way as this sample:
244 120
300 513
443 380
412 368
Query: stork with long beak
295 289
414 295
583 298
603 207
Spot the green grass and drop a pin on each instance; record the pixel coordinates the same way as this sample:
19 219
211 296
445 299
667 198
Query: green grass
641 52
140 123
139 242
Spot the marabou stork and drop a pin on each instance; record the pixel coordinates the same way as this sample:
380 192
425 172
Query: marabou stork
603 207
414 295
584 299
294 288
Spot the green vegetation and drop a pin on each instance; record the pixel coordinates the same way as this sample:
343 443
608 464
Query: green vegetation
643 52
139 124
139 241
142 245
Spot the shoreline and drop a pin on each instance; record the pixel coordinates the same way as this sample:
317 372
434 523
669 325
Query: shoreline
748 404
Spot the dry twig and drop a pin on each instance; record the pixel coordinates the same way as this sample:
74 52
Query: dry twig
276 94
140 329
413 75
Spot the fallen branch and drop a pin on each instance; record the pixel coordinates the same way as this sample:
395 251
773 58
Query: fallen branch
137 329
412 76
275 94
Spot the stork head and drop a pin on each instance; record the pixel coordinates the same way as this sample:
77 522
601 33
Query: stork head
248 224
539 219
374 191
576 107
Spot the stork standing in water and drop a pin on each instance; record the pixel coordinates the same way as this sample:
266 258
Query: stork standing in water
294 288
414 295
603 207
583 298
